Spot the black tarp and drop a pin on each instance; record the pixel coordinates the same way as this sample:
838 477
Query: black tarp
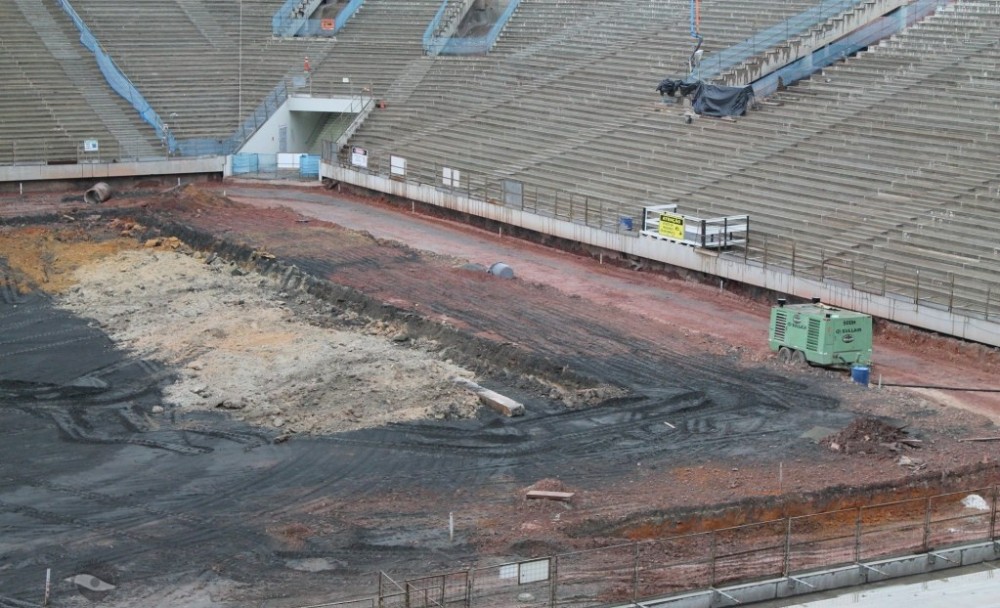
715 100
709 99
671 87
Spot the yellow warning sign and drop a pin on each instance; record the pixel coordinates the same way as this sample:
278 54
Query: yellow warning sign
672 226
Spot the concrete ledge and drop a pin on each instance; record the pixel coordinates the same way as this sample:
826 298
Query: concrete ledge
801 584
886 306
178 166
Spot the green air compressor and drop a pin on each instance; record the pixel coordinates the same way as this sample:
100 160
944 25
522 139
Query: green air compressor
820 334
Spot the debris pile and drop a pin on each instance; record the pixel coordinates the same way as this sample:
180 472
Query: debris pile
867 435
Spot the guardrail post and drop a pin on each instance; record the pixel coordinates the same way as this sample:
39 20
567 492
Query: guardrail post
857 537
927 525
989 296
711 577
553 582
916 292
885 271
951 293
746 241
635 573
993 516
470 578
381 593
788 547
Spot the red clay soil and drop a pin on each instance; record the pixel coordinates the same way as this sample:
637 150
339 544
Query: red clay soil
722 321
563 304
590 296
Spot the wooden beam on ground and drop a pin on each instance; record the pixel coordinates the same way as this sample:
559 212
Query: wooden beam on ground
542 494
500 403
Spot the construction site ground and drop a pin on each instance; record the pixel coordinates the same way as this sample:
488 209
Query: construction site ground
236 395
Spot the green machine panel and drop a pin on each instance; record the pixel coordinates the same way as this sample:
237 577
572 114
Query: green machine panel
827 335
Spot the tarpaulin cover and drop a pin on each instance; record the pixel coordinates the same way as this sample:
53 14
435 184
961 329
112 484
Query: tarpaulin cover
709 99
715 100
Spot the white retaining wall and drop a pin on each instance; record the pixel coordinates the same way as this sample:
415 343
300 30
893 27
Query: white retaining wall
895 308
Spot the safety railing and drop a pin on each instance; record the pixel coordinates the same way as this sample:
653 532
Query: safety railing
965 294
718 63
726 59
260 115
275 166
433 27
447 45
117 79
784 548
283 18
107 150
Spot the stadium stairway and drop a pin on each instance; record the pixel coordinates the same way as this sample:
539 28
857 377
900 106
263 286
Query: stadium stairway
47 68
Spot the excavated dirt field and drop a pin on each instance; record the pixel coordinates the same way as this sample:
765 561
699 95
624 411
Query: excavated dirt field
248 400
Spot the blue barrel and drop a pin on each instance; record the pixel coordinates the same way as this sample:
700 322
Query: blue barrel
860 374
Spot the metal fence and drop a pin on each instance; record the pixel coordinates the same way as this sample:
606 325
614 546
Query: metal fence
97 149
276 166
780 548
967 294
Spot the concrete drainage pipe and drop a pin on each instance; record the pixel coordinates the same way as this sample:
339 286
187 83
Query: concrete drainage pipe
99 193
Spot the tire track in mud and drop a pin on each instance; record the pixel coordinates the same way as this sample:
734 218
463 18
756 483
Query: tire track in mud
551 326
227 489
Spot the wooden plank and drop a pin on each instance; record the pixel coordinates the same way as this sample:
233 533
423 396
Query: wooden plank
500 403
542 494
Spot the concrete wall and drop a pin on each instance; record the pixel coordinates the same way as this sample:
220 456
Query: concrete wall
178 166
265 140
889 306
302 116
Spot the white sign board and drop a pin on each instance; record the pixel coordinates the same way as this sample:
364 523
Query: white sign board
532 572
526 572
359 157
397 165
288 160
90 145
451 177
